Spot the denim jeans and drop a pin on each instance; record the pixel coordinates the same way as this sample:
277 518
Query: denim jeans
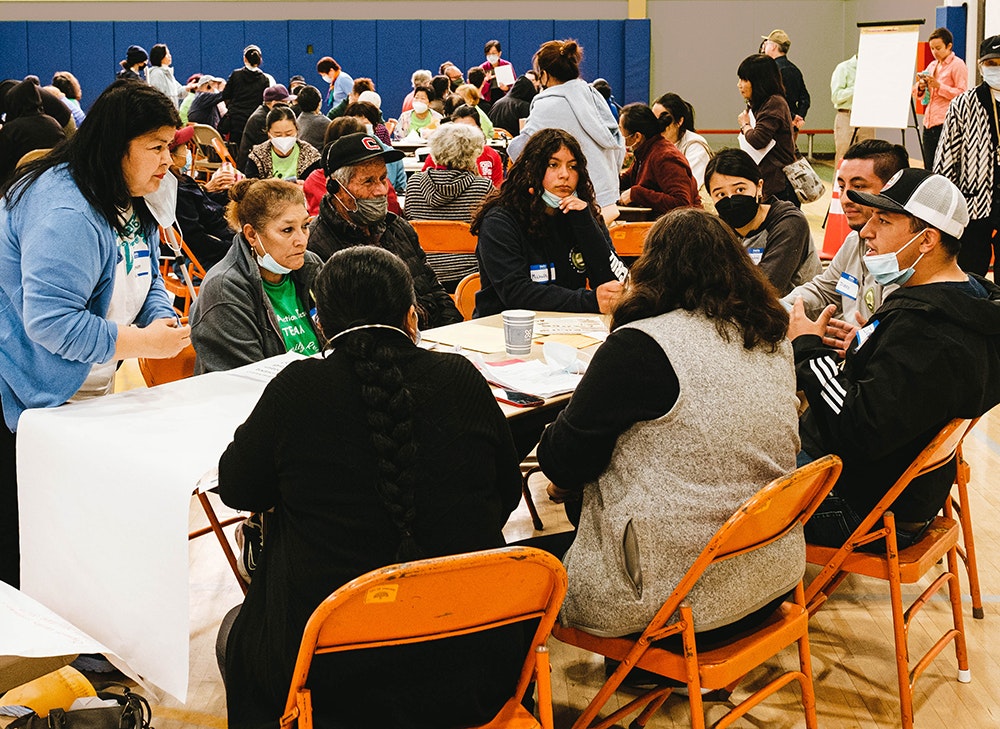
835 521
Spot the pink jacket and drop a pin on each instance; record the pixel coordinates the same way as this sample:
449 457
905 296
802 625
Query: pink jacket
953 75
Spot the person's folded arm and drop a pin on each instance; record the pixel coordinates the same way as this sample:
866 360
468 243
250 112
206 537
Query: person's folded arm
629 380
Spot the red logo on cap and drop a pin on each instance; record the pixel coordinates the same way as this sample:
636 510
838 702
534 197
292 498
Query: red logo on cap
371 144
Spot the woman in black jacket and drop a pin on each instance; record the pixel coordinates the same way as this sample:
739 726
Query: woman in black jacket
243 93
377 453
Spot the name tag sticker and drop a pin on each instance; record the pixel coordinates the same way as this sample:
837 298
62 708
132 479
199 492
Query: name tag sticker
864 332
755 255
848 286
539 273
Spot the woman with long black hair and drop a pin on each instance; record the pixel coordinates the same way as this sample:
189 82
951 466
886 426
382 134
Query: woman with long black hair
79 282
759 82
379 452
541 236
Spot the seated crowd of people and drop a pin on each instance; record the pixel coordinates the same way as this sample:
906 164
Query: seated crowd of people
308 248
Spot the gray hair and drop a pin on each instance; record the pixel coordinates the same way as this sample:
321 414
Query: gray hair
420 77
457 146
343 175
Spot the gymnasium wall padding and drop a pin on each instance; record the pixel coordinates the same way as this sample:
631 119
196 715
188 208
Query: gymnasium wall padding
386 50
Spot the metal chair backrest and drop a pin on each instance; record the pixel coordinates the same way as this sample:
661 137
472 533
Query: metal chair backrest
434 599
445 236
763 519
629 238
465 295
937 453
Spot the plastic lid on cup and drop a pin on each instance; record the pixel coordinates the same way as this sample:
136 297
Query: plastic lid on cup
518 314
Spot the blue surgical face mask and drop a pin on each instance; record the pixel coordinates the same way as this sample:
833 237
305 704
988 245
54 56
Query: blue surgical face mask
885 267
268 263
551 199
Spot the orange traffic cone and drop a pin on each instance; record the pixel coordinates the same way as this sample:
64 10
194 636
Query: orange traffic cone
836 225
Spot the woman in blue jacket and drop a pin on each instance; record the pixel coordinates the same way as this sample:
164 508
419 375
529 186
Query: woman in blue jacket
79 283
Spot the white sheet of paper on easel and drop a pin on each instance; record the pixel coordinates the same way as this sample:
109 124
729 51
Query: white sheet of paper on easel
504 75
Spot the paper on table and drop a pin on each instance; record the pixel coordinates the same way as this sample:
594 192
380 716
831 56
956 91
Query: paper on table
533 377
756 154
32 631
578 341
265 370
477 337
504 75
570 325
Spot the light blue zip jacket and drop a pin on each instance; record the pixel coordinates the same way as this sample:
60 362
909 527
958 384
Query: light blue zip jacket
57 265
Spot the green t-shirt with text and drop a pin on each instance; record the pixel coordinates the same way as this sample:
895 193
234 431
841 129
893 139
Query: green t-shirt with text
293 320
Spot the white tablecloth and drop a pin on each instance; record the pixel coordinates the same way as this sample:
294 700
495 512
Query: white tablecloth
104 489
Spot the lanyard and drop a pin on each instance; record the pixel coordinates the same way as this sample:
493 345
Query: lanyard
996 125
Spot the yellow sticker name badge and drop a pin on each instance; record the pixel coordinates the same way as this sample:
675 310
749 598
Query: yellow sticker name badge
382 593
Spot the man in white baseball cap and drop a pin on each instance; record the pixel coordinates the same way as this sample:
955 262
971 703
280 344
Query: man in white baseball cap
930 353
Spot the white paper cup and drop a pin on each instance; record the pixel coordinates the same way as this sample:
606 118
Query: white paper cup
518 328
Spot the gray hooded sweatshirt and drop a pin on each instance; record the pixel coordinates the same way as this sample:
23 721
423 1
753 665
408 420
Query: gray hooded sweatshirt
578 108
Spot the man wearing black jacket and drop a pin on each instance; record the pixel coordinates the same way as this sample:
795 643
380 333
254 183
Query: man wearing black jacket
353 213
776 45
929 354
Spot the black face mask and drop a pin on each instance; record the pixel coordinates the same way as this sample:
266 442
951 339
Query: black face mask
737 210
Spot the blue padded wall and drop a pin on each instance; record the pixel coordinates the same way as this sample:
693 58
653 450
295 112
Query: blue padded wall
386 50
183 38
398 42
955 19
14 41
92 58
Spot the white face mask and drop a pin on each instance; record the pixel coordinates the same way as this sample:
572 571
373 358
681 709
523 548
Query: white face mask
420 107
991 75
163 203
884 267
493 58
284 145
369 129
267 261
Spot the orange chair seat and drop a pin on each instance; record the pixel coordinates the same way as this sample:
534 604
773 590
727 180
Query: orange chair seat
718 667
914 561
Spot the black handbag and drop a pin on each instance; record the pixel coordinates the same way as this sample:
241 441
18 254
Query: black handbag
132 712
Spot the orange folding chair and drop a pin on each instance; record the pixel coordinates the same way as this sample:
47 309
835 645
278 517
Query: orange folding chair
763 519
629 238
180 286
465 295
445 236
220 149
440 598
958 503
899 567
159 372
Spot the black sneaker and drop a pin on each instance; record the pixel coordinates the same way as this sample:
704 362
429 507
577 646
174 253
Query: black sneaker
250 540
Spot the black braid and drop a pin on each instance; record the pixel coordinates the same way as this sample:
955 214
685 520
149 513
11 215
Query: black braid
390 418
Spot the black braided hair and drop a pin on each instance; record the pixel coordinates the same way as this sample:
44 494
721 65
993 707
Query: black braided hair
369 285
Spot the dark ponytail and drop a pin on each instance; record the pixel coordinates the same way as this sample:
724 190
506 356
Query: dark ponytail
360 287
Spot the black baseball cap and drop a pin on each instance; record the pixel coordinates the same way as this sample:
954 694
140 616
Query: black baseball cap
352 149
923 194
989 48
